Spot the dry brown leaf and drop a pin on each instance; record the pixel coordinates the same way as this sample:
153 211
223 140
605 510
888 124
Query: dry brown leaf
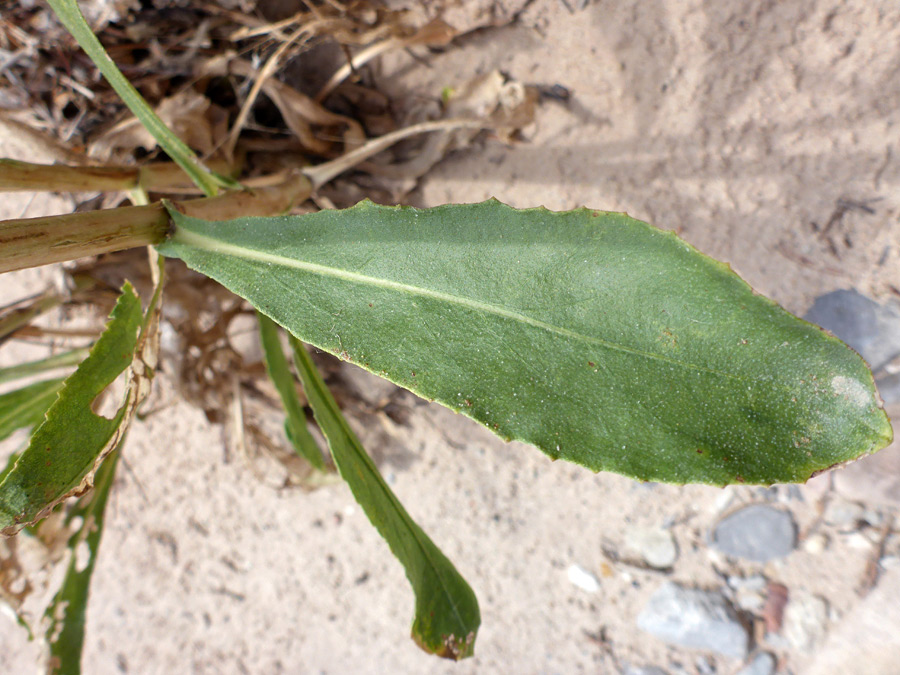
199 123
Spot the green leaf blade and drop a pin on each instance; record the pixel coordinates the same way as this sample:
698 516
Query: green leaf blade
65 448
71 17
67 613
447 615
596 337
295 419
70 358
25 407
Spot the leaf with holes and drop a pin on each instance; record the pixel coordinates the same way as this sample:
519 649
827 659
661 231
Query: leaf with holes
68 447
594 336
66 613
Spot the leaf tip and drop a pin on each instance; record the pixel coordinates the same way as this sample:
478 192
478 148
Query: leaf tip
451 647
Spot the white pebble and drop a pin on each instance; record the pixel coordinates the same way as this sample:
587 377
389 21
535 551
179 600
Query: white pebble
580 577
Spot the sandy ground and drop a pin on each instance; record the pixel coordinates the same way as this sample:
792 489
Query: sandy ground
737 124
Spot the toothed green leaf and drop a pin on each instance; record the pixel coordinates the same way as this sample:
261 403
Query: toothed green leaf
594 336
64 449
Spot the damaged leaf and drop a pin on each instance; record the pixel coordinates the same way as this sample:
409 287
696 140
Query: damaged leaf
65 450
66 612
295 419
447 616
68 447
594 336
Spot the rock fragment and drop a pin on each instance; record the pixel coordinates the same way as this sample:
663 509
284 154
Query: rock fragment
694 618
655 546
843 514
581 578
805 620
757 532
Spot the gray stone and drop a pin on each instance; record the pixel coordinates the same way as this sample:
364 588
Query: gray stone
694 618
843 514
655 546
756 532
761 664
749 593
870 328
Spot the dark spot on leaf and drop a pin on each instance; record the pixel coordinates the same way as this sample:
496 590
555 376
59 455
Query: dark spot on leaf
468 403
591 364
739 478
699 451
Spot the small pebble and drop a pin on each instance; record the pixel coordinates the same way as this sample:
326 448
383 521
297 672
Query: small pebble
843 514
696 619
749 593
859 541
816 543
805 620
724 500
580 577
655 546
757 532
761 664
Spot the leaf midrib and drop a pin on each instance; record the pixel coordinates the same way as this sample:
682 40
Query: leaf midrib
213 245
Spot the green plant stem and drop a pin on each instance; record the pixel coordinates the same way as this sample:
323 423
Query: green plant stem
30 242
71 17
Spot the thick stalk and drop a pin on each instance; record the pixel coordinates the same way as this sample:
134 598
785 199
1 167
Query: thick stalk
155 177
30 242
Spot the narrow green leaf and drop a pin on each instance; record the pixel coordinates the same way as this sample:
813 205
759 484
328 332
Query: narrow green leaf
591 335
447 616
25 407
295 419
65 449
71 17
24 312
66 613
70 358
